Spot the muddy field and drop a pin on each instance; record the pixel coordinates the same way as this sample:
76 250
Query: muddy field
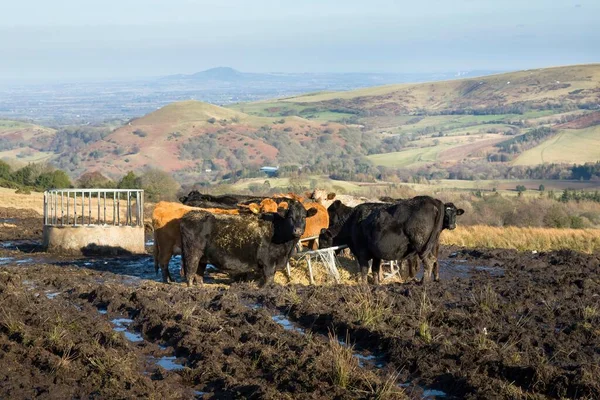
501 324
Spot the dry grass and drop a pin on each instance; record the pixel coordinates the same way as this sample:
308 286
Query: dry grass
343 364
33 201
539 239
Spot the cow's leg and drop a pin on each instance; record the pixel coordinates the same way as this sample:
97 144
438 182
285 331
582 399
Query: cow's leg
413 267
190 259
268 274
163 261
377 272
428 264
436 266
363 263
200 272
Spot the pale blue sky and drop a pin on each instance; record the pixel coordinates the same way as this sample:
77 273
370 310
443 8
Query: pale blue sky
91 39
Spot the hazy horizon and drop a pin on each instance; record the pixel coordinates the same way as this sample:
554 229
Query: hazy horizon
64 41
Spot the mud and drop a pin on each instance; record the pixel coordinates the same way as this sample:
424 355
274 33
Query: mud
500 324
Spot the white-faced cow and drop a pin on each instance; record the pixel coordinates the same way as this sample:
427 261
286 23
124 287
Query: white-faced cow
241 244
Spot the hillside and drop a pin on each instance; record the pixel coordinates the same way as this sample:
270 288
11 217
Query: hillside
24 142
467 120
193 137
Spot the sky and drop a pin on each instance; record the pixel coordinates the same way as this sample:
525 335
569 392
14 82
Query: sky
67 40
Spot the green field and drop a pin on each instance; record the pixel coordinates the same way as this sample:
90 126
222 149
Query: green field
410 157
568 146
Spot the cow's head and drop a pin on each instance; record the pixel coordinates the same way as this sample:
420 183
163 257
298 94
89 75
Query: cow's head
450 213
290 223
325 239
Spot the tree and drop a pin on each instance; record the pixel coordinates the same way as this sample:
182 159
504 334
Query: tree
53 180
542 188
129 181
95 180
159 185
521 188
4 170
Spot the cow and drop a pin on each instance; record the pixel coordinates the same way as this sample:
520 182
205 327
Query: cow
239 244
166 218
398 231
197 199
167 238
326 199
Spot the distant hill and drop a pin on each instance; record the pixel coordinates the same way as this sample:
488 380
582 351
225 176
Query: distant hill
465 120
193 136
24 142
537 88
470 128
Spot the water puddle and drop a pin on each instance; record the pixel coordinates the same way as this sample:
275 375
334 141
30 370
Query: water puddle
7 220
5 260
198 393
51 295
168 363
24 261
122 325
287 324
102 311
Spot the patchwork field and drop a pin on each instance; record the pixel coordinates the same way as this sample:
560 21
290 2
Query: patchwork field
568 146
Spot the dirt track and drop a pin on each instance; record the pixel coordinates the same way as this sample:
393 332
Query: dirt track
501 324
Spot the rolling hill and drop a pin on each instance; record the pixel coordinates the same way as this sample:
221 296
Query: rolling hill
194 136
24 142
464 120
524 118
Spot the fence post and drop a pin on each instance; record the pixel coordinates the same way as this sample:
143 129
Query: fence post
45 208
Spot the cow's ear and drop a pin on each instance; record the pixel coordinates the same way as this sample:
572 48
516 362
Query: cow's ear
337 203
255 208
310 212
330 196
460 211
281 211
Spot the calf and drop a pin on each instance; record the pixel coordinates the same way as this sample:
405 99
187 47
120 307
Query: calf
240 244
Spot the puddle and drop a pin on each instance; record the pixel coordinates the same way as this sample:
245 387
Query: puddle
433 394
121 325
7 220
372 359
133 337
51 295
24 261
5 260
168 363
199 393
286 323
102 311
460 269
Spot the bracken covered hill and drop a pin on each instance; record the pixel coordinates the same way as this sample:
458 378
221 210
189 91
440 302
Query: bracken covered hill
195 136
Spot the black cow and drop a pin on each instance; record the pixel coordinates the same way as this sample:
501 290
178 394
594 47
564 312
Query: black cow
241 244
226 201
398 231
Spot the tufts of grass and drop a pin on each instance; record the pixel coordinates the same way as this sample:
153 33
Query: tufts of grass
65 360
369 309
486 298
386 389
11 325
589 313
425 332
343 364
